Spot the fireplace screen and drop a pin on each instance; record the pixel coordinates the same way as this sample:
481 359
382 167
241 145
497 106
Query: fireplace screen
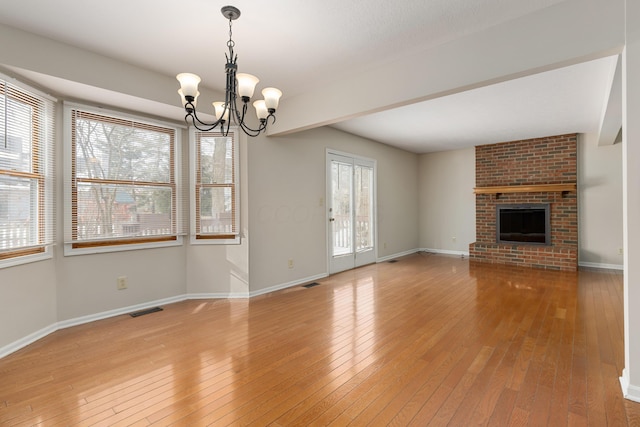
527 224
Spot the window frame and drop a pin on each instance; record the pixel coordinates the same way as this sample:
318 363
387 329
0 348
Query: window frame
72 246
43 148
196 237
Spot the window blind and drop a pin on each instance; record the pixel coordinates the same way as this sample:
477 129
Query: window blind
125 181
27 186
216 186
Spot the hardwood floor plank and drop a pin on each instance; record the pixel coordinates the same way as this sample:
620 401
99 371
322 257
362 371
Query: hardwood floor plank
429 340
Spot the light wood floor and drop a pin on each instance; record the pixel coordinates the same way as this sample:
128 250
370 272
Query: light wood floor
429 340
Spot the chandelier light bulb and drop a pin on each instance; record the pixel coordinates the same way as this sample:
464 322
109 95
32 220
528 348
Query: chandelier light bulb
246 84
261 109
189 84
221 111
184 100
271 97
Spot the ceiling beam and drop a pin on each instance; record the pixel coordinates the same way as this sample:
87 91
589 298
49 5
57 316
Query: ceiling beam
567 33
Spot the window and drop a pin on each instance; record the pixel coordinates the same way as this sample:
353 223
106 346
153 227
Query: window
27 187
215 191
123 190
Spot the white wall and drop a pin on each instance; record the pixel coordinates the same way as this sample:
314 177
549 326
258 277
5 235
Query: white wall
287 210
28 301
447 202
599 203
86 284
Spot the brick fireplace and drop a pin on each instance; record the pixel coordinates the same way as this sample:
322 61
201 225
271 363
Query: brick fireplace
534 171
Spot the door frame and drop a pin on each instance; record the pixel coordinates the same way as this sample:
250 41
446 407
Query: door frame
328 195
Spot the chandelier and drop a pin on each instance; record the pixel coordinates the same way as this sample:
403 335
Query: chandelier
239 85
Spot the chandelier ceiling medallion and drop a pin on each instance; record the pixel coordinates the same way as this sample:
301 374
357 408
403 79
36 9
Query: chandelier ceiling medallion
239 85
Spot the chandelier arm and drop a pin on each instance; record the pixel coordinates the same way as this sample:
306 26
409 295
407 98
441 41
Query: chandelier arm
191 112
207 127
251 132
245 127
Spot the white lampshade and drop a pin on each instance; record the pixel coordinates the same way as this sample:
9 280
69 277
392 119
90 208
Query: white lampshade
246 84
261 109
220 110
184 100
271 97
188 84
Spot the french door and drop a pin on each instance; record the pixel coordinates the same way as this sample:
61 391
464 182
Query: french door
351 212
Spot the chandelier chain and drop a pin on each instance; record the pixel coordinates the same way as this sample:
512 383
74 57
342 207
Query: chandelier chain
230 43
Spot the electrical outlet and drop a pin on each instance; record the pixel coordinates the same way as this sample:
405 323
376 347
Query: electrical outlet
290 262
620 251
122 282
453 239
384 245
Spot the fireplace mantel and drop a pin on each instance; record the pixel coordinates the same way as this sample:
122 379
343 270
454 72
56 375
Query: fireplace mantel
535 188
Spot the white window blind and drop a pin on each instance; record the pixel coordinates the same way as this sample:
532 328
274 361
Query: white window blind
215 193
125 181
27 187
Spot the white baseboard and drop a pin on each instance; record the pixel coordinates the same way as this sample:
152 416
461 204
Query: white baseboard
446 252
287 285
629 391
31 338
25 341
398 255
601 265
217 295
117 312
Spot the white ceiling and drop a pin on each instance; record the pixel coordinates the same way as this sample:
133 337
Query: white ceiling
288 43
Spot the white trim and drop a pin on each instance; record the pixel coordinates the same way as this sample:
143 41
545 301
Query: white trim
629 391
287 285
25 341
397 255
26 87
26 259
120 114
117 312
118 247
446 252
601 265
31 338
217 295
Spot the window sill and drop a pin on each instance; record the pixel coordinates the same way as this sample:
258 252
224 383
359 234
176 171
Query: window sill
26 259
69 250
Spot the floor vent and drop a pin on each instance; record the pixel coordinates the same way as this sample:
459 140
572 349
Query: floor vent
147 311
310 285
393 260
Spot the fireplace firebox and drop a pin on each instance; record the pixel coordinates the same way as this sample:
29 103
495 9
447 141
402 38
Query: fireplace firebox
523 224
